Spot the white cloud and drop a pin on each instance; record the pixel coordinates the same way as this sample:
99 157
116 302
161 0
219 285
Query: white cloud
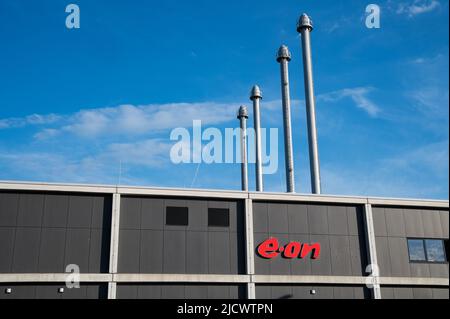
358 95
417 7
33 119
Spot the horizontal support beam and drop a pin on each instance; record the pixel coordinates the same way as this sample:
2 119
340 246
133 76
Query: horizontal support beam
137 278
281 279
182 192
408 202
20 278
76 188
306 198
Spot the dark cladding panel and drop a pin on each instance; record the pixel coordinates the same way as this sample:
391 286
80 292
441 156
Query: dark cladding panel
340 256
384 259
395 224
338 222
129 246
399 257
298 291
99 250
322 265
219 252
278 218
152 214
198 215
413 223
196 292
130 213
52 247
18 291
80 211
440 293
379 221
77 248
422 293
174 252
358 258
172 292
318 219
260 218
101 212
439 270
197 252
149 292
51 291
8 209
298 219
26 251
31 207
355 220
419 270
432 224
7 235
55 211
127 291
151 251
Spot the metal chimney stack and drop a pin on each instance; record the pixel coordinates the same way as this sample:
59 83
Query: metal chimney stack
283 57
256 97
304 27
243 116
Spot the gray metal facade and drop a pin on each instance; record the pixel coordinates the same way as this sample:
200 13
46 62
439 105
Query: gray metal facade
119 238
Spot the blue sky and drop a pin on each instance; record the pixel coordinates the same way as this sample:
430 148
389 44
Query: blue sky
74 104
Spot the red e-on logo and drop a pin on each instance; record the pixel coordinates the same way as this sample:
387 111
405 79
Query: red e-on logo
271 248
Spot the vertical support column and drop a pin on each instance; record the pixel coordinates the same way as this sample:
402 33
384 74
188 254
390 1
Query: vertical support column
249 247
372 250
114 247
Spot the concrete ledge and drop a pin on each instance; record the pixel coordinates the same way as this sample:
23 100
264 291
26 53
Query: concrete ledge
340 280
182 192
29 186
307 198
136 278
12 278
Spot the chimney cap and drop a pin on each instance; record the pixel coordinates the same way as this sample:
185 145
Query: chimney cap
304 22
243 113
255 93
283 53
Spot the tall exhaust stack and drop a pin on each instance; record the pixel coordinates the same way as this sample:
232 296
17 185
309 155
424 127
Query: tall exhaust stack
256 97
283 57
304 27
243 116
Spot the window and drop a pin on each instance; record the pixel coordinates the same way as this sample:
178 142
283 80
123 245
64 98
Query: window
416 250
218 217
177 216
426 250
435 250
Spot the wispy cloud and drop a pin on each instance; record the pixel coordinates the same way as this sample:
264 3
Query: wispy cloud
359 96
417 7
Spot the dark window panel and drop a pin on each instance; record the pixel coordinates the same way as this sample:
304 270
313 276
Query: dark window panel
435 250
177 216
416 250
218 217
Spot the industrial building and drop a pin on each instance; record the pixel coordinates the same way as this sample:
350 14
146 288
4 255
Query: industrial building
132 242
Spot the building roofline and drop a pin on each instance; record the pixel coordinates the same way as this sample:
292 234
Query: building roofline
218 193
